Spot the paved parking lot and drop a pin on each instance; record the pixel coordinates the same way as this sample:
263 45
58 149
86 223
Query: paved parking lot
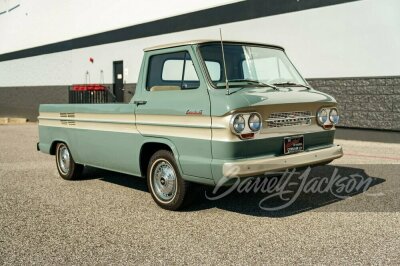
109 218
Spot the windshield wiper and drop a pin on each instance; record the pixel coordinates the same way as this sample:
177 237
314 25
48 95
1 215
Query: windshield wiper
256 82
292 84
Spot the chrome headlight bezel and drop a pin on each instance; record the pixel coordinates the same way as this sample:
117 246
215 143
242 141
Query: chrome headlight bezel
334 118
251 125
235 119
322 116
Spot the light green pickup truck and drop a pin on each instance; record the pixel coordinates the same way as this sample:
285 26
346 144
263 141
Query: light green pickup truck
203 111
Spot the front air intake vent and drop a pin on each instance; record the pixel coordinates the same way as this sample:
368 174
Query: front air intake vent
67 115
67 122
288 119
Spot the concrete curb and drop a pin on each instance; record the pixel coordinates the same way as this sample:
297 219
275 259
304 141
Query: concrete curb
12 120
367 135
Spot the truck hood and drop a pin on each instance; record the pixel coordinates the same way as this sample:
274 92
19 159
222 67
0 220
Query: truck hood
267 99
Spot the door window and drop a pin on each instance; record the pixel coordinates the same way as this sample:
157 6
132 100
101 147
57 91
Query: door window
173 71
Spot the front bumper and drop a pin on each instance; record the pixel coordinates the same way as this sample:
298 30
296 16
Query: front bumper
249 167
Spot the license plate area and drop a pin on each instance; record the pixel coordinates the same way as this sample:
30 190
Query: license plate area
293 144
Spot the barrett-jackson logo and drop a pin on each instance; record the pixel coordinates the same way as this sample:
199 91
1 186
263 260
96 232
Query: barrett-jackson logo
190 112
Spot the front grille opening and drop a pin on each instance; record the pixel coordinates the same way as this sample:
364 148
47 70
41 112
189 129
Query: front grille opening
288 119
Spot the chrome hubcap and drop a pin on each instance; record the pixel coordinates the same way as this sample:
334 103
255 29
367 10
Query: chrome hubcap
64 159
163 180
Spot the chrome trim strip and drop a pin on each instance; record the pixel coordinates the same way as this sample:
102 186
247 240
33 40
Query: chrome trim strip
86 120
127 122
175 125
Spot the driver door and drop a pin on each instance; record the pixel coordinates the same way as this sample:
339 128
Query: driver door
174 105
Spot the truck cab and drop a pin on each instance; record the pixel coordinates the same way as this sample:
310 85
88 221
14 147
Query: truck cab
203 112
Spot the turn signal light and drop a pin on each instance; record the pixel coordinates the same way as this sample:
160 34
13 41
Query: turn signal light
329 126
247 136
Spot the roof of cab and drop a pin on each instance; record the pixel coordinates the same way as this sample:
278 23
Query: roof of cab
192 42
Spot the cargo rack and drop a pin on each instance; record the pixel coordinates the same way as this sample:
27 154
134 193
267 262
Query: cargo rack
90 93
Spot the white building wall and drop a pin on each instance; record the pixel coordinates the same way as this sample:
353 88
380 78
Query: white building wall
356 39
42 22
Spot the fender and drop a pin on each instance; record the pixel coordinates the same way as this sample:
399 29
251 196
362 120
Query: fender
165 141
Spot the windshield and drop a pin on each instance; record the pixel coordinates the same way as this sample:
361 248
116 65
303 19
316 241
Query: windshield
249 64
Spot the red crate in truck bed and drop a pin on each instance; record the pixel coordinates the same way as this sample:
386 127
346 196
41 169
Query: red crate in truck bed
89 93
89 87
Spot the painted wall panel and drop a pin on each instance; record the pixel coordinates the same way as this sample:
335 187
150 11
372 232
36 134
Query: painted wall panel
41 22
348 40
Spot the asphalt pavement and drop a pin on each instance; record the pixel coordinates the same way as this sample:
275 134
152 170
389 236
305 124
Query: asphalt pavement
110 218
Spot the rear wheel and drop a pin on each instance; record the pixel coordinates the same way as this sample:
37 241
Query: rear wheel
165 183
66 166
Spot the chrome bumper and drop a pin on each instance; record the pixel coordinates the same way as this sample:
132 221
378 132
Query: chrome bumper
261 165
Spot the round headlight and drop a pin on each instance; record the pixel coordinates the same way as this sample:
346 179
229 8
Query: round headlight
334 116
322 116
255 122
238 123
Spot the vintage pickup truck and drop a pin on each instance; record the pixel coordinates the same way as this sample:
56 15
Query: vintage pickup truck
202 111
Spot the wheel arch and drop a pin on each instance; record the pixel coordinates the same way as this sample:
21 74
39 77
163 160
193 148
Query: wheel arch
151 146
53 146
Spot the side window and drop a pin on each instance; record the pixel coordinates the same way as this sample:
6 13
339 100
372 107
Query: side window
173 71
214 69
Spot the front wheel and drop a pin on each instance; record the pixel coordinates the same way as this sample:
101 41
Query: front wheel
165 183
66 166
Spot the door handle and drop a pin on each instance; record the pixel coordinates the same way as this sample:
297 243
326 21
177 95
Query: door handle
140 102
